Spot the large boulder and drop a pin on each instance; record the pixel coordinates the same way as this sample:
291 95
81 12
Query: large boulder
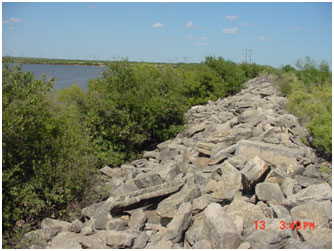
219 228
179 223
267 191
121 239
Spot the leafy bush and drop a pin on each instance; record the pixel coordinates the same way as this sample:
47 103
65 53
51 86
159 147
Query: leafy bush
46 163
309 90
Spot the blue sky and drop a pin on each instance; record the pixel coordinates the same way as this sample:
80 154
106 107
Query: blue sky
278 33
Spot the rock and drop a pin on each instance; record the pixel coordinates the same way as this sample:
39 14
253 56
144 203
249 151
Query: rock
144 180
280 212
51 223
201 162
124 202
274 154
204 148
117 224
168 207
120 239
217 155
141 241
107 171
151 154
164 145
244 245
41 236
220 228
195 232
318 238
267 191
200 203
272 237
319 212
137 220
288 186
179 223
76 226
238 161
255 171
307 181
226 181
312 172
194 129
91 210
87 230
275 176
69 240
202 244
202 178
247 211
318 193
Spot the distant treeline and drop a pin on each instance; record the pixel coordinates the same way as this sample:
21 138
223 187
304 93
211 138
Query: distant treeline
53 142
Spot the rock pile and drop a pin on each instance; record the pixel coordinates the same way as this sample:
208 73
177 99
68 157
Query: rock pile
237 177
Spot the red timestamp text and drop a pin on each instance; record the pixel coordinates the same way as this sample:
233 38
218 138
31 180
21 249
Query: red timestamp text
305 225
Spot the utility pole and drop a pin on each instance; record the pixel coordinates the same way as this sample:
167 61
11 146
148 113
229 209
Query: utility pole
250 55
250 59
245 55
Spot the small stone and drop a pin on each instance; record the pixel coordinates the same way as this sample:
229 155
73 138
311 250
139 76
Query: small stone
116 224
76 226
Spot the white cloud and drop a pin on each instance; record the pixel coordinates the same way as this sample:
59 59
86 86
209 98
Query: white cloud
202 43
190 24
244 24
231 18
230 31
157 25
199 40
15 19
5 21
263 38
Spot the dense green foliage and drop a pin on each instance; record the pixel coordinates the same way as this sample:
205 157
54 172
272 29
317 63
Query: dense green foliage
54 140
309 90
46 153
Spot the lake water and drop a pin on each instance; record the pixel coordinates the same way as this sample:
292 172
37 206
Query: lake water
65 75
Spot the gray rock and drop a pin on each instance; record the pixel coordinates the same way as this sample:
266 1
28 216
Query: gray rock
202 178
200 203
319 212
117 224
288 186
90 211
312 172
137 220
120 239
164 145
76 226
220 153
225 183
151 154
319 238
274 154
141 241
144 180
244 245
69 240
254 172
247 211
195 232
51 223
220 228
307 181
87 230
124 202
168 207
280 212
195 129
204 148
271 237
238 161
318 193
41 236
107 171
202 244
267 191
179 223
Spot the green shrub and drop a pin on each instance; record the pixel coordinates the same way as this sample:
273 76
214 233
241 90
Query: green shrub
46 162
